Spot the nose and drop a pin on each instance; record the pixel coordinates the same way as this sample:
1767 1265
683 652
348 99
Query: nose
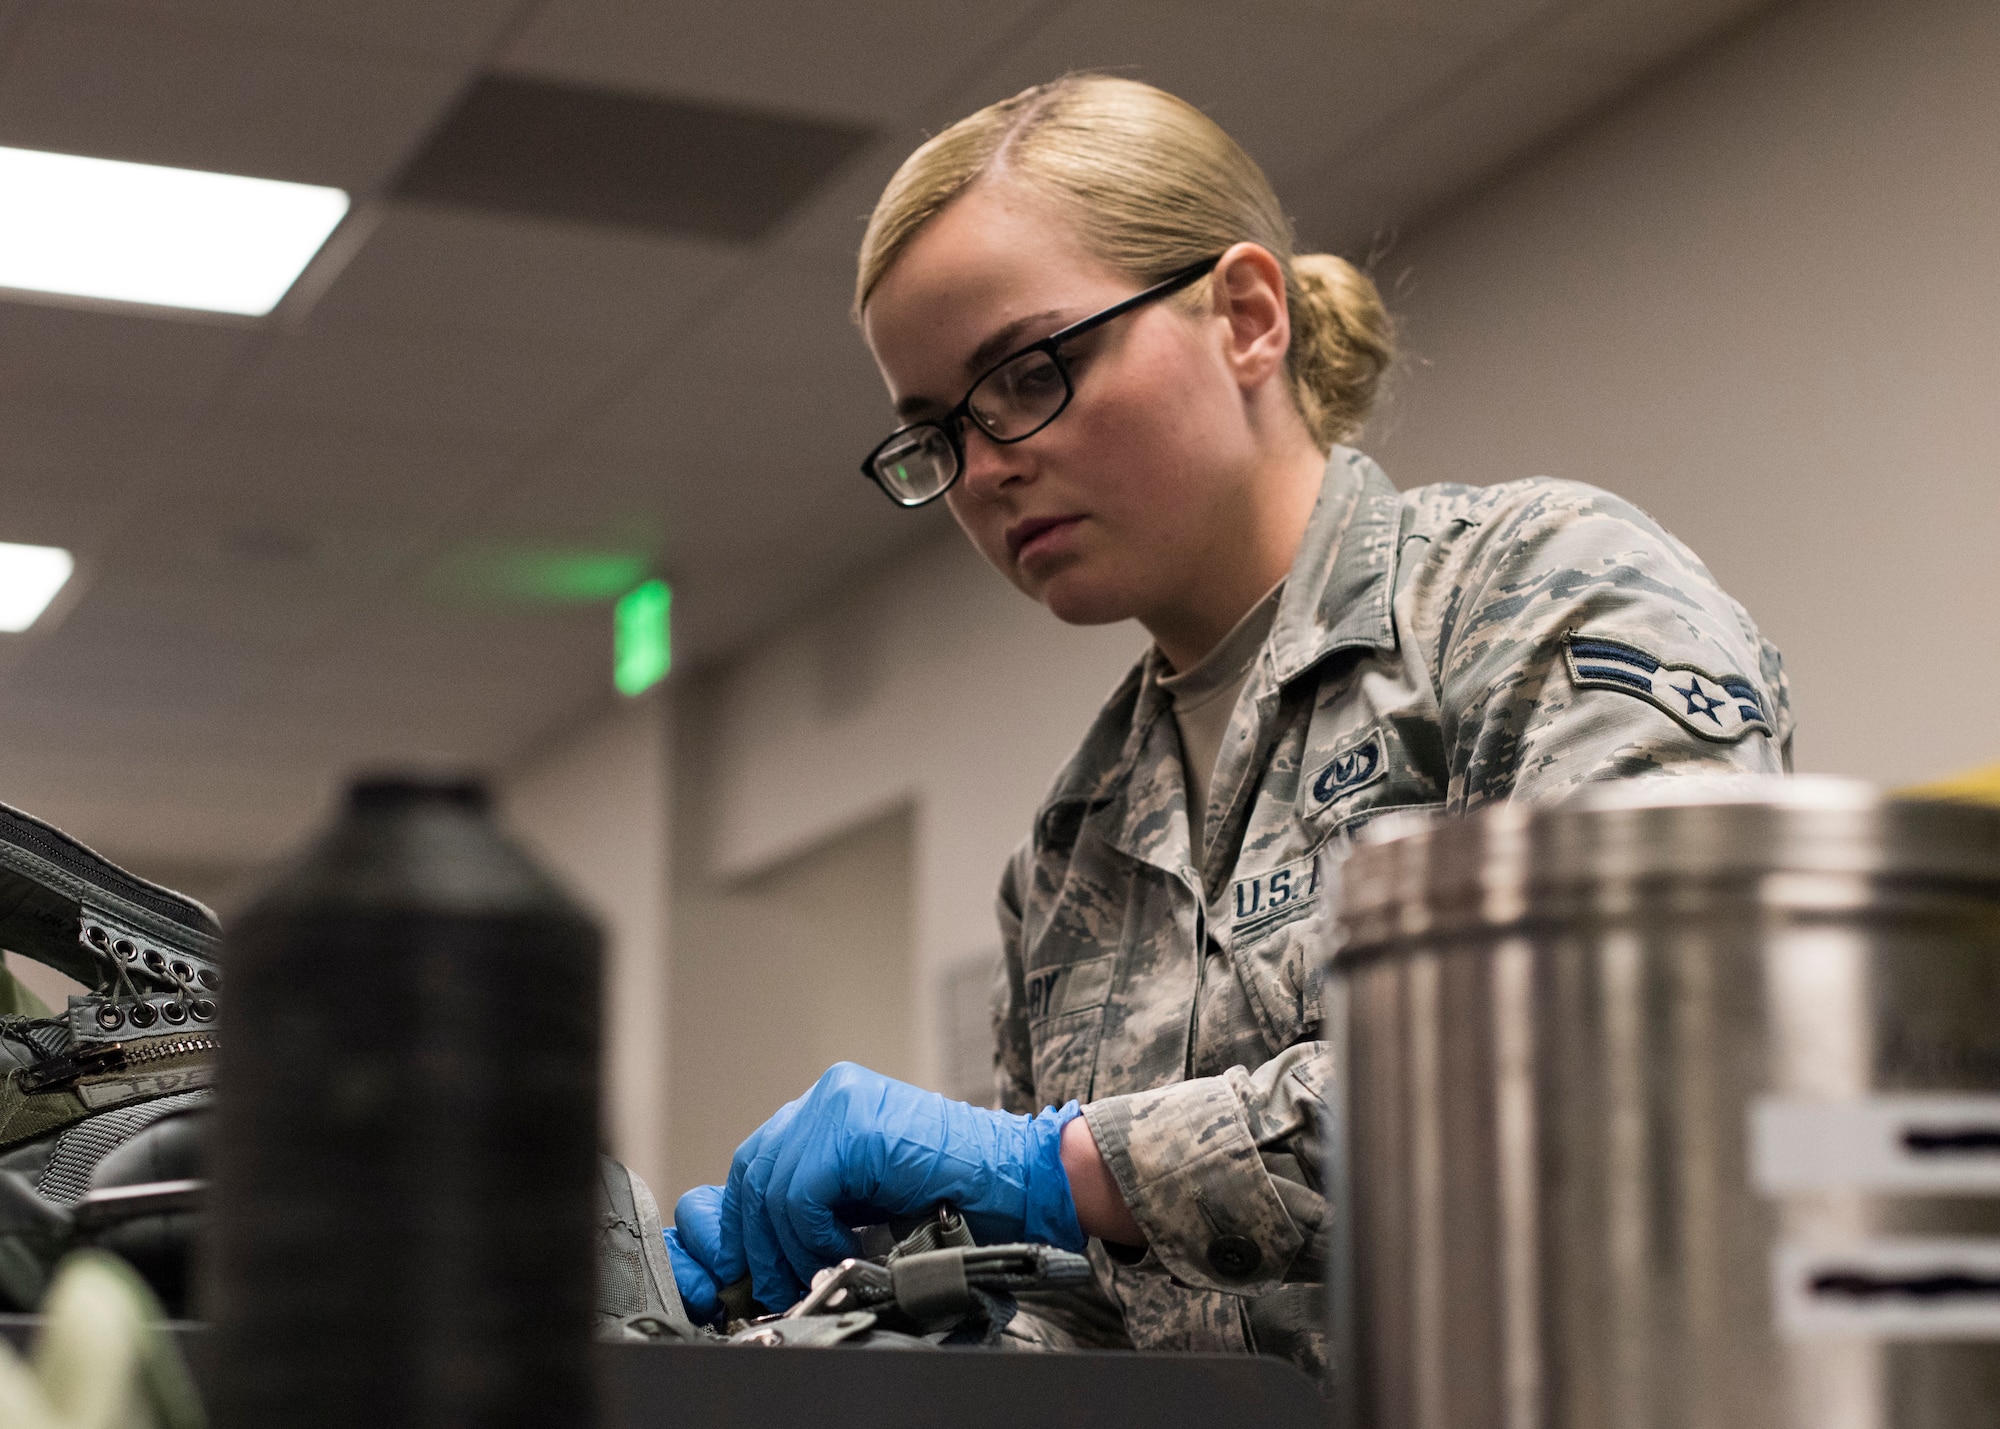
989 466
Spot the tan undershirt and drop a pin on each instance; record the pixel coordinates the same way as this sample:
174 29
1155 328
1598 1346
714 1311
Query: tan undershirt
1204 699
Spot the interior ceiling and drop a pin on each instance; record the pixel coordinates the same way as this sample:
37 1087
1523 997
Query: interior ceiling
592 297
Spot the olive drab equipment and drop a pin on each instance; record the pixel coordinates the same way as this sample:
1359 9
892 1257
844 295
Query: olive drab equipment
131 1051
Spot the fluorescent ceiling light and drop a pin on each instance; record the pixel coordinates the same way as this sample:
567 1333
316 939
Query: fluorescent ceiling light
139 233
30 576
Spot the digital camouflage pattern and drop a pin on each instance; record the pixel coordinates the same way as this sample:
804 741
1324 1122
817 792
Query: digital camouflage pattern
1425 656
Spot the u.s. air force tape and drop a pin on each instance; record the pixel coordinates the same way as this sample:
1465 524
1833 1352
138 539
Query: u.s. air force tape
1723 708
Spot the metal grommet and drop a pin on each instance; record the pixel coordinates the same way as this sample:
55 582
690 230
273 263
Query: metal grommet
123 947
209 979
110 1018
181 970
174 1013
1234 1256
156 960
96 935
203 1009
144 1016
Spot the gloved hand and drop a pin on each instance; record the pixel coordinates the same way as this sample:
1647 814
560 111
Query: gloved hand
861 1147
694 1243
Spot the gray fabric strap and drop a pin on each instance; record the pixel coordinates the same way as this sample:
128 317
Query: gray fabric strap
65 1179
653 1243
931 1286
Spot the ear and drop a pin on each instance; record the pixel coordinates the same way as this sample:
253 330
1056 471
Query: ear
1248 294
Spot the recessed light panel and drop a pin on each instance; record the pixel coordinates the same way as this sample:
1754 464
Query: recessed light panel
140 233
30 576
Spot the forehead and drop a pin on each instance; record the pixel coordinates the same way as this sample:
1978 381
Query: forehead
995 256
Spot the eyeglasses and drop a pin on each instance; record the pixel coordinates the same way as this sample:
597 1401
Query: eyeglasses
1016 398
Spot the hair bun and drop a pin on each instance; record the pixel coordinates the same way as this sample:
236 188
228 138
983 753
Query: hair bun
1343 344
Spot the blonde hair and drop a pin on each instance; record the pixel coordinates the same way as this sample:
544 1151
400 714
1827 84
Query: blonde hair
1152 185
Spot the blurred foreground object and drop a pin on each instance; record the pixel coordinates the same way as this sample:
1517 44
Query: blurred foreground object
1981 786
101 1360
78 1083
1675 1104
404 1161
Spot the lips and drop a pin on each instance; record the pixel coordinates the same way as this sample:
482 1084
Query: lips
1024 533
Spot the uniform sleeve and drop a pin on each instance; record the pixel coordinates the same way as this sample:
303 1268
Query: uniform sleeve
1222 1173
1575 640
1013 1055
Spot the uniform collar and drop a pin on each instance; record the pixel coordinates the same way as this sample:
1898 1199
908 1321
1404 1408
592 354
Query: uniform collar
1336 597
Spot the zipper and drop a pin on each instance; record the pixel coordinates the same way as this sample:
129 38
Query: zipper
67 1070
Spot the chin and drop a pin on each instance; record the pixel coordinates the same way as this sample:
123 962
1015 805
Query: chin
1077 602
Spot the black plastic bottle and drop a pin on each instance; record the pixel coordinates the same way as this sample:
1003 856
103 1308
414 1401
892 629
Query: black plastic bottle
406 1130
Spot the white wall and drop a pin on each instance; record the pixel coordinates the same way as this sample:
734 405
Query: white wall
778 976
935 684
1762 299
596 805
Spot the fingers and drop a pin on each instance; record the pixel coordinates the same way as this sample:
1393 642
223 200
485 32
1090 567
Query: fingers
748 1241
699 1292
811 1176
733 1263
698 1218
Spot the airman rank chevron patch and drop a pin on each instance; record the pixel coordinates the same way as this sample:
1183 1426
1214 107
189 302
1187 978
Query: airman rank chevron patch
1723 708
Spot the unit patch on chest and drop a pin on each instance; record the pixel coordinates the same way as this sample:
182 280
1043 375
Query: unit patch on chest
1357 766
1723 708
1264 900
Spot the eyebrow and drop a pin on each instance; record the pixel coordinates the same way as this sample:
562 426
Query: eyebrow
982 358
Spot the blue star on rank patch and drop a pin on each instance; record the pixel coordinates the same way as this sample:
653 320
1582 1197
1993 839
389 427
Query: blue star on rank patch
1723 708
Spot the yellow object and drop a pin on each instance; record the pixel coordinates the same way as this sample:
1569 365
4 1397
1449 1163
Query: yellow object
1981 786
101 1360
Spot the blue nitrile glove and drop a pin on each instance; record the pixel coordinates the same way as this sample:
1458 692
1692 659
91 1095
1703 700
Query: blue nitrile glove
859 1148
694 1243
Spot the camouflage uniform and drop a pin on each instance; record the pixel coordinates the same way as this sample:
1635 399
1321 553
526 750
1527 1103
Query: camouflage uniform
1440 649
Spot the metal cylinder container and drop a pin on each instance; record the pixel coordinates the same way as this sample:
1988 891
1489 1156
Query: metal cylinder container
1676 1104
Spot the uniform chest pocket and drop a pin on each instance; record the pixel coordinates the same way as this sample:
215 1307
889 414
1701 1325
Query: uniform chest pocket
1065 1017
1279 919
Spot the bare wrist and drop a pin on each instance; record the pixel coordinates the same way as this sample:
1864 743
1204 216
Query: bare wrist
1100 1206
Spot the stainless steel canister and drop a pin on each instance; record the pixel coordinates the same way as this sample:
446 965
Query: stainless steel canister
1675 1105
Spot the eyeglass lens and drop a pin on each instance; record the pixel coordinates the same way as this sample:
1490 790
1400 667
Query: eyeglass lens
917 464
1010 402
1020 397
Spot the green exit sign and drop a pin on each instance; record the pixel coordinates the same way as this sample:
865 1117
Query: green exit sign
642 651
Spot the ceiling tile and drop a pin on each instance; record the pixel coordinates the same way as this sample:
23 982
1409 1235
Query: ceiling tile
453 29
1287 79
425 268
146 363
516 144
779 354
1438 153
306 473
1481 24
66 472
1648 32
480 383
91 79
872 63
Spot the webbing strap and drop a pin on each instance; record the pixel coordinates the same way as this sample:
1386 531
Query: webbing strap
652 1240
930 1286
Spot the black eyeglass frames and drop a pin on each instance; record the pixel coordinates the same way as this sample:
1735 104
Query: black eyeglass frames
1011 401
